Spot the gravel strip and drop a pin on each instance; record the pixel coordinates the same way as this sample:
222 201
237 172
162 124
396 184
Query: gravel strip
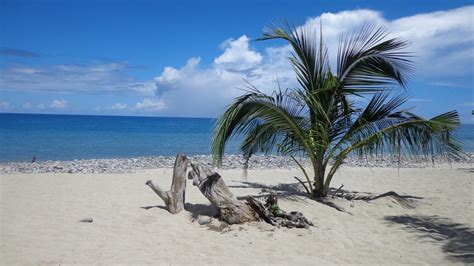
130 165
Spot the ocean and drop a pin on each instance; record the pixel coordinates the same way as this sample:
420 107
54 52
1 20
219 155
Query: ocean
69 137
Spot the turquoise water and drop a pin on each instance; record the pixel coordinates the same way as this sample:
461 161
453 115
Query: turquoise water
69 137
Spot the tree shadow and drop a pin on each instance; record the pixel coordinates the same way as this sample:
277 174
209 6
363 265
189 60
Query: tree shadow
333 205
468 170
457 239
367 196
195 209
287 191
154 206
292 191
406 201
201 210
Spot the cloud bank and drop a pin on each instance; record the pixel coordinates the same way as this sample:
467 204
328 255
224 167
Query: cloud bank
438 39
443 43
93 78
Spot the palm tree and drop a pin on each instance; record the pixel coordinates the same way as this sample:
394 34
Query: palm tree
323 118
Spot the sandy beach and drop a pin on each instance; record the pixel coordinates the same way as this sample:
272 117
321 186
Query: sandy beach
40 214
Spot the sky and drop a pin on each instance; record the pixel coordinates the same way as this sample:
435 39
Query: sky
191 58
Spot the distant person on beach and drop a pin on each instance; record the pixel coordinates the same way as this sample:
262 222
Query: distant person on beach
33 160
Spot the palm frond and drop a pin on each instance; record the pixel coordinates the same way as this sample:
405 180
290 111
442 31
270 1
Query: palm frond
379 113
309 58
368 60
261 118
409 132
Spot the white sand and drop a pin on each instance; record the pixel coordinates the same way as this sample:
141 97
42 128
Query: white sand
40 213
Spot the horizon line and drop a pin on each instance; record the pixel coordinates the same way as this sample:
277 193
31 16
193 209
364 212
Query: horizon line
149 116
144 116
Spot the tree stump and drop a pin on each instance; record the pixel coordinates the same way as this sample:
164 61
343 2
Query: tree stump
213 187
174 198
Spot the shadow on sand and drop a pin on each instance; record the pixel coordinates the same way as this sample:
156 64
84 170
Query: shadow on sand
200 210
457 239
154 206
291 191
195 209
330 203
367 196
467 170
286 191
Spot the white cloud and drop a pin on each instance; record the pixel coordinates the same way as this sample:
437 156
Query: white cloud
149 104
147 88
466 104
26 70
58 104
93 78
336 24
438 39
419 100
447 84
237 55
119 106
27 105
4 105
445 43
193 90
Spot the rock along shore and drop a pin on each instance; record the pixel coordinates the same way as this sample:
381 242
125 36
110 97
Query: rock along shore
130 165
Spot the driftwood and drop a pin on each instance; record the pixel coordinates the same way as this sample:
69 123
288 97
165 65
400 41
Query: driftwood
271 213
174 198
231 210
213 187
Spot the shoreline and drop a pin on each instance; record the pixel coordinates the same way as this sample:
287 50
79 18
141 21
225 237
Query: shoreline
132 165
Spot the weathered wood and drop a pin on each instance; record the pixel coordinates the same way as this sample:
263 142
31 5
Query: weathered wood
261 210
231 210
272 214
175 197
213 187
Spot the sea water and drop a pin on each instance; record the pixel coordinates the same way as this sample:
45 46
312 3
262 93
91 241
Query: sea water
69 137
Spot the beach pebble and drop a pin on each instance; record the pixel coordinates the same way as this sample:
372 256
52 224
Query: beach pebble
203 220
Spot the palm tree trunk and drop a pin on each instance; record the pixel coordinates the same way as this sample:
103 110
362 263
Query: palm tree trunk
319 172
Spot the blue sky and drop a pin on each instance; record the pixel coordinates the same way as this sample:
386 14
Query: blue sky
188 58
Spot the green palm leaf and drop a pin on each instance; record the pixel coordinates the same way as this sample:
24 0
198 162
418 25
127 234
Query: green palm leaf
367 61
320 119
